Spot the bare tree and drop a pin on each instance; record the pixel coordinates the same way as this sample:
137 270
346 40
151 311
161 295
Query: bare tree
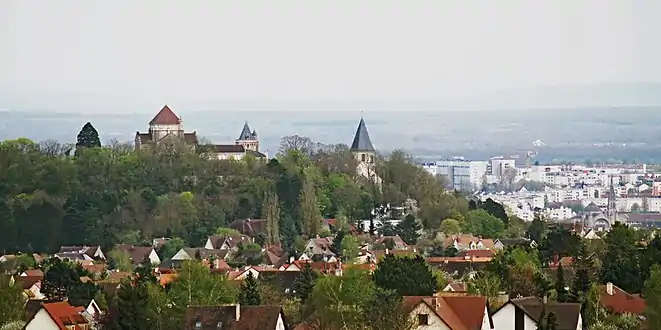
335 158
508 175
296 142
54 148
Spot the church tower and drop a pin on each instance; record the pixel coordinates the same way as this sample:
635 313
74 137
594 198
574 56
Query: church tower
164 123
362 147
248 139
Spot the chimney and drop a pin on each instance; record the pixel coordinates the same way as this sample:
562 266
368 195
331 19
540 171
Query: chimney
387 251
238 312
434 303
609 288
291 259
318 237
546 300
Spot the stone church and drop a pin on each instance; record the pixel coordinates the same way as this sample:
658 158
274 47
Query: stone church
365 153
167 125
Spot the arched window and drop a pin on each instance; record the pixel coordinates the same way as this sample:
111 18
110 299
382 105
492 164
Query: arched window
372 159
362 157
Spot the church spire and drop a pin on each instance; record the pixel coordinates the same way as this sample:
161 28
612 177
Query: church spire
246 134
362 141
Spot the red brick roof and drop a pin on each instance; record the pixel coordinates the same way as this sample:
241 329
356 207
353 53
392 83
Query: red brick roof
621 301
64 315
165 117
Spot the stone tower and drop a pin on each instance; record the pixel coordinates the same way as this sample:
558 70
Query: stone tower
362 147
165 122
248 139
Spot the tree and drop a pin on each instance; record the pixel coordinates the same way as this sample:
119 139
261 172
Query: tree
11 302
295 142
620 263
652 292
350 248
480 222
560 286
62 281
337 243
537 230
271 210
304 283
226 232
488 285
337 301
409 229
249 292
167 250
405 275
384 310
584 274
131 312
88 137
309 208
120 260
450 227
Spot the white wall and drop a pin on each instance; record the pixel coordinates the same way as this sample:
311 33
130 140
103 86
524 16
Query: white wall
504 319
42 321
281 323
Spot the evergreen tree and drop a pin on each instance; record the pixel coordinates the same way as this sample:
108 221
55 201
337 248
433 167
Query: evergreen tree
561 286
249 293
11 301
132 311
271 212
405 275
584 274
88 137
304 283
409 229
337 243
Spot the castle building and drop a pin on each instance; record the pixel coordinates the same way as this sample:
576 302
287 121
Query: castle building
364 151
166 124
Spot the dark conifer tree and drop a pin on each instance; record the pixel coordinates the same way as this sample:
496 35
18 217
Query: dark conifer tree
88 137
249 294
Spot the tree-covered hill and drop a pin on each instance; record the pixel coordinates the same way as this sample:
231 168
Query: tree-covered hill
50 196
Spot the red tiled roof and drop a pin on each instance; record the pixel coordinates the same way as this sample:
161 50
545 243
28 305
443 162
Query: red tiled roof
476 253
457 312
621 301
165 117
64 314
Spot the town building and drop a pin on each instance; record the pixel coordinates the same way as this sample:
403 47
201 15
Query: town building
365 154
460 174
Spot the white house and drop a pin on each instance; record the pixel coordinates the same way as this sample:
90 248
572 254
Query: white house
525 314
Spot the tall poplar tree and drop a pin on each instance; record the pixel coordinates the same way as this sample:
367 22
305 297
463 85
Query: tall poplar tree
271 212
309 208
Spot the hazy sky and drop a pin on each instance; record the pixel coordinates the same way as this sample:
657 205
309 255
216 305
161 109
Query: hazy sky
151 52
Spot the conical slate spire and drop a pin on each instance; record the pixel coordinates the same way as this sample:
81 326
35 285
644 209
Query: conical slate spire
245 133
361 141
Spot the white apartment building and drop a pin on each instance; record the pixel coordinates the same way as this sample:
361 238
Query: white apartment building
461 174
499 164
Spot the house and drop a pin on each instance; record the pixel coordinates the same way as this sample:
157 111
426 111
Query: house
468 242
227 242
456 287
591 234
502 243
78 257
250 227
398 242
157 243
448 312
199 254
31 286
93 252
319 249
618 301
525 314
59 316
275 256
137 254
234 317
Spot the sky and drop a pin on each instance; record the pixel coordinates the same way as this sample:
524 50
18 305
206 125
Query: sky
140 54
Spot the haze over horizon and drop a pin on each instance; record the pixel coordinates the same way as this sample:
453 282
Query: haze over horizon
98 56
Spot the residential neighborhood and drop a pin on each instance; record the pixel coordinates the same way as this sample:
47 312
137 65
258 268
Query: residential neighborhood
319 237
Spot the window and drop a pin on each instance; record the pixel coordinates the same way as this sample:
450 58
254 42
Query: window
219 325
362 157
198 325
423 319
